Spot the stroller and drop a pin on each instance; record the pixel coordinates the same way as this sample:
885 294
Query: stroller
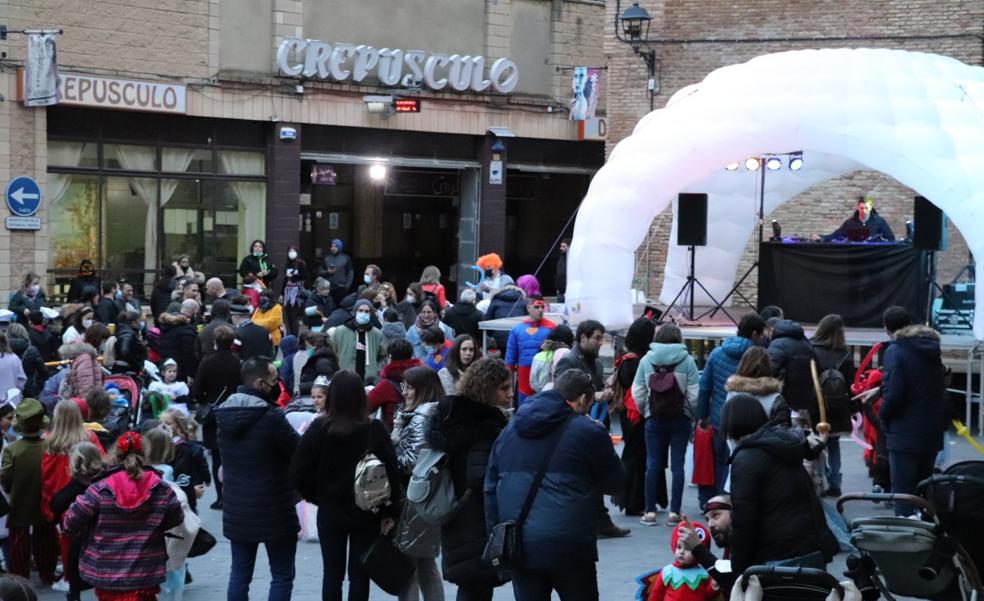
912 557
957 496
772 583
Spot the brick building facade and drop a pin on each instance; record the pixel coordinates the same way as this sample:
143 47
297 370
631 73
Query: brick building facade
748 29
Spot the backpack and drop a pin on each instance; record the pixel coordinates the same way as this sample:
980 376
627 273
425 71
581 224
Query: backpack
431 488
837 396
666 400
540 374
371 486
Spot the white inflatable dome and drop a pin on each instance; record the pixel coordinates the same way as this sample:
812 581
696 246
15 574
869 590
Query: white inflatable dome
916 117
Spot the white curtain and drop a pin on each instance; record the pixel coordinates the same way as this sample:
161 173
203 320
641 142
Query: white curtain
251 195
61 154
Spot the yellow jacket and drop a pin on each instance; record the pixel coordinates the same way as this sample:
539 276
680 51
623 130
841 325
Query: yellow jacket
271 321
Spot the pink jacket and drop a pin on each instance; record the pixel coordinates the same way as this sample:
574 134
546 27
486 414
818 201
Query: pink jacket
85 374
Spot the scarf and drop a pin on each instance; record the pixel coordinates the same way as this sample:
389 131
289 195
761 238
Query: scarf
422 325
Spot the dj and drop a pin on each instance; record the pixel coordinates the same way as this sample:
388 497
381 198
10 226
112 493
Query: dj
865 224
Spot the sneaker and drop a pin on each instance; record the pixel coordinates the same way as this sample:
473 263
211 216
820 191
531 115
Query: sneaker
613 531
673 519
650 519
61 586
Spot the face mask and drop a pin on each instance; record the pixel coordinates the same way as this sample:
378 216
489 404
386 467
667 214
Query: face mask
119 295
292 255
411 298
274 393
309 351
257 253
86 323
34 290
362 318
488 273
367 278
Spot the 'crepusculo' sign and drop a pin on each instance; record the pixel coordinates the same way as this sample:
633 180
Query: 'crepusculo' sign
394 67
126 94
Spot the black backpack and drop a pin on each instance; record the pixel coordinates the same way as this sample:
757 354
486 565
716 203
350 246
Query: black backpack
837 396
666 400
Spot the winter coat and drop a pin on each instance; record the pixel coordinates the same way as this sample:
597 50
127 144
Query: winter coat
11 374
251 265
45 341
508 302
342 276
322 362
325 304
124 521
85 373
913 392
413 337
177 342
842 361
217 378
721 364
437 293
20 475
322 470
790 353
189 460
20 301
160 297
576 359
272 320
130 349
387 393
256 443
685 373
205 342
463 318
55 475
295 272
79 284
777 514
409 431
768 391
107 310
466 431
876 226
33 365
346 338
253 341
560 532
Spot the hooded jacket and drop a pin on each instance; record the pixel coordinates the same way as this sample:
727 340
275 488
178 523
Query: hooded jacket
124 521
85 373
257 444
876 226
777 514
913 392
387 393
342 275
721 364
685 372
463 318
33 365
177 342
768 391
560 532
791 353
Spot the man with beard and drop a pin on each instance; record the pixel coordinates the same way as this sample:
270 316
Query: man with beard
717 512
337 268
560 278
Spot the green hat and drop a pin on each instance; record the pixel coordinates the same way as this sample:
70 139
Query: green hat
29 408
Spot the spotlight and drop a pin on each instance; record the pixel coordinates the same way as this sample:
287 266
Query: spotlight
753 163
731 166
796 161
773 163
377 172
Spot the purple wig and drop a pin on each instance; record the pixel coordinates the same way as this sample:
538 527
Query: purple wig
529 284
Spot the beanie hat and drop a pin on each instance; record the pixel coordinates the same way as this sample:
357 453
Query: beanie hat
361 303
700 529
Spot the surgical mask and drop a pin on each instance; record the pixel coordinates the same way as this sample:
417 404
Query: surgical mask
257 253
411 298
119 295
34 290
291 255
309 351
362 318
86 323
367 278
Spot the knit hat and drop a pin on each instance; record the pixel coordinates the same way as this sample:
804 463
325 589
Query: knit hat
700 529
361 303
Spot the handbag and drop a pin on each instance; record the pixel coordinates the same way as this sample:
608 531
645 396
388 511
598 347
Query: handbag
390 569
204 541
504 549
203 413
703 456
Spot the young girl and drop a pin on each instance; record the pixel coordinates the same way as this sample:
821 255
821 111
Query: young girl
130 509
170 387
85 465
189 462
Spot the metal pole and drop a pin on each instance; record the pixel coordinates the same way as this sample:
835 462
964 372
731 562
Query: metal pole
693 253
762 202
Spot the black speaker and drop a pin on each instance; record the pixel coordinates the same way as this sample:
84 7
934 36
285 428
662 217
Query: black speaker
692 221
929 223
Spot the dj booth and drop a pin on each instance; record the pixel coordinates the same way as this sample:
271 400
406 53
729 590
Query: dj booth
858 281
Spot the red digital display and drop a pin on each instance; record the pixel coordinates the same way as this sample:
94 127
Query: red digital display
406 105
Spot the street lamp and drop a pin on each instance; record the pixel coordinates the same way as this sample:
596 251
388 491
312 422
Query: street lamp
632 28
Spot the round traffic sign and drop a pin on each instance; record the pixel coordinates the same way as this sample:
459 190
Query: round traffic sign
23 196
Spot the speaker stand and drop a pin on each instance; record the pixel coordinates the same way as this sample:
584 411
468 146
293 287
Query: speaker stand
733 292
687 294
935 288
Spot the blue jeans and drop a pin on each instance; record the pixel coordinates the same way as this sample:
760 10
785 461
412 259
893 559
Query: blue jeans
666 436
281 556
908 470
721 455
834 476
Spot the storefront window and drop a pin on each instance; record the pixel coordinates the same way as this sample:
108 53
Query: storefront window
181 160
74 221
235 162
72 154
128 226
129 157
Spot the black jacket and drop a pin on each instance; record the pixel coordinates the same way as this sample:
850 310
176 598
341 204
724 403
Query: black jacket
509 302
325 304
33 365
321 363
323 471
466 430
130 349
217 378
256 443
463 318
160 297
254 341
177 342
78 285
560 277
576 359
295 272
791 353
777 514
875 226
251 265
46 342
107 310
204 344
190 469
20 301
913 393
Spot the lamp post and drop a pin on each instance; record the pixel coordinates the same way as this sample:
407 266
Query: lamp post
632 28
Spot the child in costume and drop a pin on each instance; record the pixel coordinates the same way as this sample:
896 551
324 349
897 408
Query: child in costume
684 579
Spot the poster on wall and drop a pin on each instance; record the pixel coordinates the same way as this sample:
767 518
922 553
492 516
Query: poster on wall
41 70
585 89
323 174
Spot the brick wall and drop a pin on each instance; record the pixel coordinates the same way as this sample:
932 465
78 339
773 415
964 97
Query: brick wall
822 208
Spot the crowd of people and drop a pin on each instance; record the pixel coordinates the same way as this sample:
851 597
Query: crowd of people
389 417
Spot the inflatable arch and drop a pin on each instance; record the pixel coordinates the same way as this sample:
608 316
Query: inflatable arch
916 117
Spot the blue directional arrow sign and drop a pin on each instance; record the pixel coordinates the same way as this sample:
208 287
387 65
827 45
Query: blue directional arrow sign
23 196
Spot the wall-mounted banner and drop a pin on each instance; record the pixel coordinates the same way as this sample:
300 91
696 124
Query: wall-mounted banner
41 70
297 57
586 89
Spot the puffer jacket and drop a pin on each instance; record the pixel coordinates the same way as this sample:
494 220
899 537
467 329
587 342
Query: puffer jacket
913 410
130 349
85 372
508 302
257 443
768 391
685 372
791 354
322 362
777 514
721 364
177 342
561 529
463 318
409 430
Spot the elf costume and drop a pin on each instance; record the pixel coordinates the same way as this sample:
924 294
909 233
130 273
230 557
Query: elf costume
677 582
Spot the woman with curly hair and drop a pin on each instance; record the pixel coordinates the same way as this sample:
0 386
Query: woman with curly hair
464 427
